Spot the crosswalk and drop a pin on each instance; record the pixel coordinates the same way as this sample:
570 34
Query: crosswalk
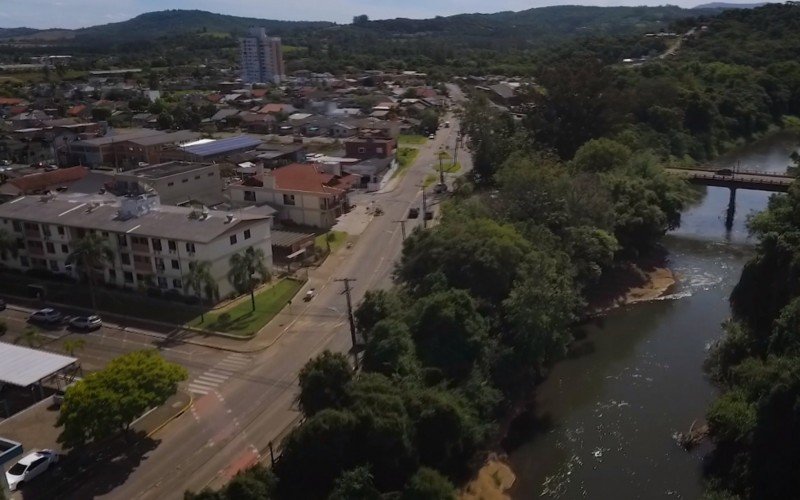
222 371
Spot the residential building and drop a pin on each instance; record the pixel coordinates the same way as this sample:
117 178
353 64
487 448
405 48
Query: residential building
369 147
153 245
176 182
99 151
303 193
133 152
207 150
262 57
41 182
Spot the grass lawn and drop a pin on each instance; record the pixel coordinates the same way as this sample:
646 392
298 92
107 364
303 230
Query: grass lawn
405 157
242 320
411 140
339 238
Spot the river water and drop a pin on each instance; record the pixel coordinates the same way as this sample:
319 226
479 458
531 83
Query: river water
604 421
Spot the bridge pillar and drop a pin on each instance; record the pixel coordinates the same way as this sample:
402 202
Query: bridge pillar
731 210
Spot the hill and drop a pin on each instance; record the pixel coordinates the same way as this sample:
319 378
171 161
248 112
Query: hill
727 5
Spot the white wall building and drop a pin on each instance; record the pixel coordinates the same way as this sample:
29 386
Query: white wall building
261 57
152 244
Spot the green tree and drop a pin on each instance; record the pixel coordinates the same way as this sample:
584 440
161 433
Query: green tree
376 306
600 155
323 383
90 254
427 484
248 269
200 280
30 336
391 351
355 484
105 403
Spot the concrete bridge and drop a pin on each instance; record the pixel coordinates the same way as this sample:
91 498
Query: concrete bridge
733 180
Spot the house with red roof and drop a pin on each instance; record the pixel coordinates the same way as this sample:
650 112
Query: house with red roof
307 194
41 182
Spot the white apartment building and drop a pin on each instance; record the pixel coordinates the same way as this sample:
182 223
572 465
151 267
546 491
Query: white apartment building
262 57
152 244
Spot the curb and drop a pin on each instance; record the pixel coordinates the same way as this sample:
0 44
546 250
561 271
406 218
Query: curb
174 416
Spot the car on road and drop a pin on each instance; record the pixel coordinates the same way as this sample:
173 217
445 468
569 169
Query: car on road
724 171
432 136
29 467
440 188
413 213
86 323
310 294
47 315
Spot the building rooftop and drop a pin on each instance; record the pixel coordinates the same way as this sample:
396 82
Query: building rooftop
127 135
166 169
181 136
23 366
103 213
222 146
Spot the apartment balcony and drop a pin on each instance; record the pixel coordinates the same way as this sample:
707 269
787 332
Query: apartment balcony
138 248
36 251
33 234
143 267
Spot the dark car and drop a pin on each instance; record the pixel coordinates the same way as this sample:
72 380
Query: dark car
413 213
2 305
724 171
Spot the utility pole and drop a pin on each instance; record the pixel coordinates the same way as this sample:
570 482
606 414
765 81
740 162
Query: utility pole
402 227
350 317
424 209
441 169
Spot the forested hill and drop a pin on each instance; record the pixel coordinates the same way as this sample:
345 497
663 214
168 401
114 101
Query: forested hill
527 25
751 37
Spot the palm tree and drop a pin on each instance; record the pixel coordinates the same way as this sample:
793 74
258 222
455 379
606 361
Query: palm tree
7 244
90 253
30 336
200 280
244 267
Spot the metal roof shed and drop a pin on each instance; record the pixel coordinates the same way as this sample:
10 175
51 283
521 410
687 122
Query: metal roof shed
24 367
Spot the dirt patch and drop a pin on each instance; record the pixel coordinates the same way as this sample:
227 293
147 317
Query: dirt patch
645 280
492 481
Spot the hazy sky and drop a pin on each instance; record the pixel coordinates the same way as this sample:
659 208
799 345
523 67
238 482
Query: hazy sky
79 13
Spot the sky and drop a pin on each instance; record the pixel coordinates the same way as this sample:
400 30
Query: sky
81 13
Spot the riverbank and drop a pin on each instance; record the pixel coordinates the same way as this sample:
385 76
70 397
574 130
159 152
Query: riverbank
492 482
631 284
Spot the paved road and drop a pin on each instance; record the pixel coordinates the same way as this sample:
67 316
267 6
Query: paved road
246 401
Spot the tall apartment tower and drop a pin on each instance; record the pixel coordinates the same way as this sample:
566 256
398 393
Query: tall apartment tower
262 57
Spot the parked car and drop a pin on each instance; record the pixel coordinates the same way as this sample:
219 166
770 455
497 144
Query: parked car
440 188
413 213
46 315
86 323
310 294
29 467
432 136
2 305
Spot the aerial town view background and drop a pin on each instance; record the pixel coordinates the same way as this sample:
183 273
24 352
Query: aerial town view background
544 253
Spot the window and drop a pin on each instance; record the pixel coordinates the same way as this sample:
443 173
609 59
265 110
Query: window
190 247
249 196
125 258
176 283
54 266
112 275
46 230
16 225
60 230
362 150
24 261
64 249
137 240
247 234
172 246
128 276
197 177
20 243
176 264
170 184
233 239
379 150
162 282
122 240
210 174
288 199
157 245
184 181
50 247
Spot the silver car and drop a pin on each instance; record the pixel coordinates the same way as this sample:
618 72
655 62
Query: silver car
92 322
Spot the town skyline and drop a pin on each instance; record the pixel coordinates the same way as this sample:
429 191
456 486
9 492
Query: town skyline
49 14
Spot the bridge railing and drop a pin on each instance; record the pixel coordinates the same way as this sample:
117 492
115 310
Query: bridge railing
734 173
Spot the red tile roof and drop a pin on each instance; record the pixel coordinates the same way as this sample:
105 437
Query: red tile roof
44 180
273 108
258 92
308 178
76 110
10 101
215 98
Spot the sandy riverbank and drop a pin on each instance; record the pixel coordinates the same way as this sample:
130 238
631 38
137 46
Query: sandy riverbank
491 483
631 285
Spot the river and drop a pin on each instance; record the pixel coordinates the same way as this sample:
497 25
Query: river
604 421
